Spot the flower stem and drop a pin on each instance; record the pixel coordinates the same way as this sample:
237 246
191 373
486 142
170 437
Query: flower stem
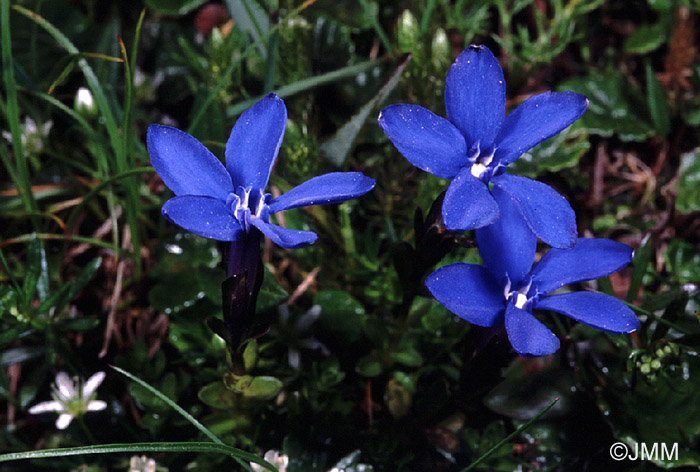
86 430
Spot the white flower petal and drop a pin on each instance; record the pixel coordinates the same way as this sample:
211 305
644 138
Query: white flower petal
92 383
64 420
65 386
44 407
96 405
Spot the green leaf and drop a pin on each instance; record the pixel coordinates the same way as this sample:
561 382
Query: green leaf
408 356
522 394
263 388
642 257
252 19
338 147
562 151
172 405
688 199
614 106
369 366
514 434
656 101
174 7
341 314
645 39
683 260
36 279
674 399
250 355
216 395
19 354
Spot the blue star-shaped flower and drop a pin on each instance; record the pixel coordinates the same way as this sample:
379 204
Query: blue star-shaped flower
226 203
508 288
477 143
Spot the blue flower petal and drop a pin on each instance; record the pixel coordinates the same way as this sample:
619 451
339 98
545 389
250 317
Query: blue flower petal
206 216
536 120
469 291
589 259
255 140
283 237
468 203
185 165
528 336
323 190
428 141
595 309
508 246
547 213
475 96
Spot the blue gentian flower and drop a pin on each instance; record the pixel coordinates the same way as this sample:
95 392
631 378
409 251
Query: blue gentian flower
508 288
476 143
227 203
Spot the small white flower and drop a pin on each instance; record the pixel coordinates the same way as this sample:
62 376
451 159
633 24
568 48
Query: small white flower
72 398
33 135
280 461
142 464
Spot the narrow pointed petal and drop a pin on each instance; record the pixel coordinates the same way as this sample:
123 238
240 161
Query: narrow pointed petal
475 95
468 203
508 246
63 420
537 119
44 407
547 213
283 237
206 216
96 405
65 386
469 291
590 259
325 189
255 140
92 383
594 309
528 336
428 141
185 165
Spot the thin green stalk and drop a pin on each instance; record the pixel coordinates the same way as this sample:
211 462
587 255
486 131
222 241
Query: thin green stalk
425 20
90 77
510 436
171 404
10 275
132 197
377 27
62 237
310 83
234 65
106 183
140 448
100 98
86 430
24 185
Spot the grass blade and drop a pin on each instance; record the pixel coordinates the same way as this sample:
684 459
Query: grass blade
234 65
171 404
510 436
140 447
23 183
90 77
308 84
